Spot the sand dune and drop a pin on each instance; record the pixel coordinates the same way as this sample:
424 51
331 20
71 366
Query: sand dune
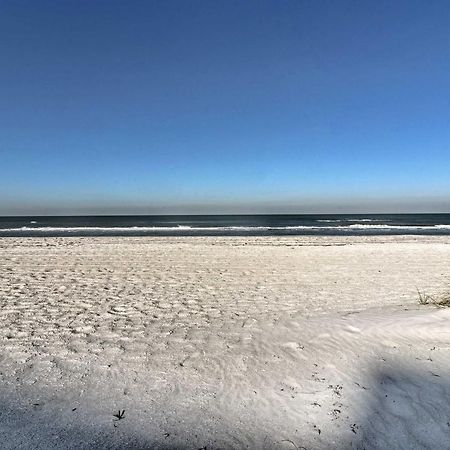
224 343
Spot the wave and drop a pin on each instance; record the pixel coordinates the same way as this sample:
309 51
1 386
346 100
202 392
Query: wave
369 220
145 229
350 220
181 228
397 227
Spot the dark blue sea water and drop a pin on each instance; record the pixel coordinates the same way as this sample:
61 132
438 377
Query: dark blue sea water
229 225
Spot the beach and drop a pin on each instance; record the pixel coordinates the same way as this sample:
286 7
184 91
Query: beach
224 342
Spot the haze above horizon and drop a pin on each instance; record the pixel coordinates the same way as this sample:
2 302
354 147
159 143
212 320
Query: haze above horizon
197 107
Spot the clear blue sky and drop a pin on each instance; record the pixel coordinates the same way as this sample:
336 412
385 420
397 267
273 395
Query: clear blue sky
224 106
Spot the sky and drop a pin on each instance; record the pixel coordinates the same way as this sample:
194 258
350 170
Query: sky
224 106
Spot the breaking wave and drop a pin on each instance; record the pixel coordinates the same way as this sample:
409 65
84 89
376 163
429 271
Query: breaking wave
180 229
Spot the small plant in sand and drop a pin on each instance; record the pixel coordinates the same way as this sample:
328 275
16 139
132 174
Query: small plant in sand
120 415
442 300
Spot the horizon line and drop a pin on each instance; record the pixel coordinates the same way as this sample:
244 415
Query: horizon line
229 214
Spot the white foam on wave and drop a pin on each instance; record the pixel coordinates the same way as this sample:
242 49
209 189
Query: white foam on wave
397 227
138 228
351 220
364 225
180 228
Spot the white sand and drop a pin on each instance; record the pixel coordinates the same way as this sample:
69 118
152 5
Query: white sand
224 343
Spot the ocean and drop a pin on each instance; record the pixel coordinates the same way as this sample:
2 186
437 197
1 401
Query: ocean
227 225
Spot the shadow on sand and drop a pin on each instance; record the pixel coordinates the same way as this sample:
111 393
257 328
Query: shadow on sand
400 410
405 410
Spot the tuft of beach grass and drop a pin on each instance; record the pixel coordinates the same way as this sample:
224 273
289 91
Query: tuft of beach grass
441 300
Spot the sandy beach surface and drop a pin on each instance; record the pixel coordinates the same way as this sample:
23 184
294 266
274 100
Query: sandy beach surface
207 343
